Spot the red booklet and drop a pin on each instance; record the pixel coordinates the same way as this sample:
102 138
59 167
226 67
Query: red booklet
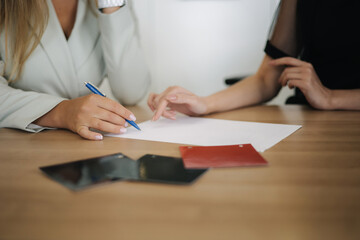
221 156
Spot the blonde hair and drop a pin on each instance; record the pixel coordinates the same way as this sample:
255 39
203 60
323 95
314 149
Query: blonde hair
23 23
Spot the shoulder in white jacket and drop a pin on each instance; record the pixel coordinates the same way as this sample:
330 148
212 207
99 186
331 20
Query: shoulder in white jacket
99 46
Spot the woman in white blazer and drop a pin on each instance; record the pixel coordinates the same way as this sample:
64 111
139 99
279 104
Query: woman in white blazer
79 43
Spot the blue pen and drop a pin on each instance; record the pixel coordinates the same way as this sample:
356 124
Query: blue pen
95 90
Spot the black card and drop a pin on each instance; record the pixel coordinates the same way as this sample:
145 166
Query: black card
155 168
149 168
84 173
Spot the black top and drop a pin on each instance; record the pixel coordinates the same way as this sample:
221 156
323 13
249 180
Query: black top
325 33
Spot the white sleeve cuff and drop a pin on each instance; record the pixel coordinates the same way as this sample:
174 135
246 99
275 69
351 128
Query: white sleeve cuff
110 3
36 128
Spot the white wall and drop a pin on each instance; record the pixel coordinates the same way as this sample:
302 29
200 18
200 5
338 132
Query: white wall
198 43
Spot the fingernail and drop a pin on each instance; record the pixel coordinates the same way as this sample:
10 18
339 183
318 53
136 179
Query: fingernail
132 117
126 124
98 137
122 130
172 97
153 118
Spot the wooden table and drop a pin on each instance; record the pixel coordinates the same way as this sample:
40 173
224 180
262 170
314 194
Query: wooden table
310 190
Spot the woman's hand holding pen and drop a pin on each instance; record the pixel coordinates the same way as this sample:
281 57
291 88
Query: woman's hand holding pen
302 75
91 111
176 99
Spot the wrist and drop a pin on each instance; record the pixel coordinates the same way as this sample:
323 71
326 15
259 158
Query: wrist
209 105
330 100
54 118
336 100
60 114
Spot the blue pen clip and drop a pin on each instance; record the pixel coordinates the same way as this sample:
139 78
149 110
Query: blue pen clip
94 89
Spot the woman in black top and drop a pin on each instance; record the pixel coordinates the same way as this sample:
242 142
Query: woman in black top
314 47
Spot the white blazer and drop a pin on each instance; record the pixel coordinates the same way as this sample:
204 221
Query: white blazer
106 44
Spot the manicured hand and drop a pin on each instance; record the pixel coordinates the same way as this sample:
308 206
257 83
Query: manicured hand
80 115
176 99
302 75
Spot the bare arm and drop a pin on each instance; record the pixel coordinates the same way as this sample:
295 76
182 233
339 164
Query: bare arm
345 99
252 90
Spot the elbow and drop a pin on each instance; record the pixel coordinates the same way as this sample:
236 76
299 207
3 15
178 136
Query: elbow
134 94
269 87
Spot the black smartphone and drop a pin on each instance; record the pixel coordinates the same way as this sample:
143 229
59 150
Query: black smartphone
163 169
85 173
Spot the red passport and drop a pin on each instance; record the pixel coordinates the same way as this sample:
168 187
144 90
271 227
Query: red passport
221 156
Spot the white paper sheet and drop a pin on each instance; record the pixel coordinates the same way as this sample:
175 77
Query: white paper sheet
211 132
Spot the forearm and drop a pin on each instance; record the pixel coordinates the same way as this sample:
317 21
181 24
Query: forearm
252 90
345 99
241 94
18 109
125 63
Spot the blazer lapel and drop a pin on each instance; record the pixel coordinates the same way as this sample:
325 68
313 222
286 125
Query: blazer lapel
56 47
85 34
